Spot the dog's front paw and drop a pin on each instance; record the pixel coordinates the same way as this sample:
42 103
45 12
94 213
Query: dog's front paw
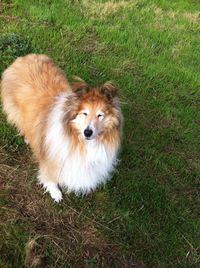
54 191
56 195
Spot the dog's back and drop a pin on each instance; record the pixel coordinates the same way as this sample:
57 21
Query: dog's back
29 86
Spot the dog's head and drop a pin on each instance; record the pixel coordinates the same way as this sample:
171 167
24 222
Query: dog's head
97 110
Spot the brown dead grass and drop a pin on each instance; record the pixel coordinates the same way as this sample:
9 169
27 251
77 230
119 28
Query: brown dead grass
57 234
172 17
93 9
4 6
177 49
90 44
160 12
192 17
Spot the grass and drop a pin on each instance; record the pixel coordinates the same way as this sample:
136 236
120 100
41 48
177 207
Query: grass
148 214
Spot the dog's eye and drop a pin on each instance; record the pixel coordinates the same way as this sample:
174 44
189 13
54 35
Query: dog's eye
85 113
100 115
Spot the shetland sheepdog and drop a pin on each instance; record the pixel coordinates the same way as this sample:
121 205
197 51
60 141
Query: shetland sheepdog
73 130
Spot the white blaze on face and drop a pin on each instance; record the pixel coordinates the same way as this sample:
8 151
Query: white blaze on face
89 122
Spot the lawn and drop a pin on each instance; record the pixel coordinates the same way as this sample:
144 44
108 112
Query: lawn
147 215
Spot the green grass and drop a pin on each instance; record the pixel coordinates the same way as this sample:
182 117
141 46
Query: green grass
148 214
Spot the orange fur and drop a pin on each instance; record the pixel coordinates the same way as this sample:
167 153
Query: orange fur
29 86
94 100
45 109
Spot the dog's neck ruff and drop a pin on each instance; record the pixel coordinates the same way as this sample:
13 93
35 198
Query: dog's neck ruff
80 173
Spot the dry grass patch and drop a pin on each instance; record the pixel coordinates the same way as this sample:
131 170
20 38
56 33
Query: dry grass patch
101 10
192 17
168 20
55 234
160 12
4 6
176 50
90 45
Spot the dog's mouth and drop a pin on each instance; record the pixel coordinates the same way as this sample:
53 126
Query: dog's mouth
89 139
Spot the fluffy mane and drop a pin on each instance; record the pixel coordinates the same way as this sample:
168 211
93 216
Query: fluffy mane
79 165
73 130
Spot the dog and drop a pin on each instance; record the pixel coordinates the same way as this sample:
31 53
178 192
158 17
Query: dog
74 130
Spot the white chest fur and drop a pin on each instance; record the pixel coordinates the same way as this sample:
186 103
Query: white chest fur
76 172
84 174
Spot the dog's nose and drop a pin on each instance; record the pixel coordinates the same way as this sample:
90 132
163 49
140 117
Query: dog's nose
88 132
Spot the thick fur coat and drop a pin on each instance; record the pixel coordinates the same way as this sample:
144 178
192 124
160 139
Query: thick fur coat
73 130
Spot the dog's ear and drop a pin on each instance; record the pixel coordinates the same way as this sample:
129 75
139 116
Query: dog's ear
80 88
109 90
